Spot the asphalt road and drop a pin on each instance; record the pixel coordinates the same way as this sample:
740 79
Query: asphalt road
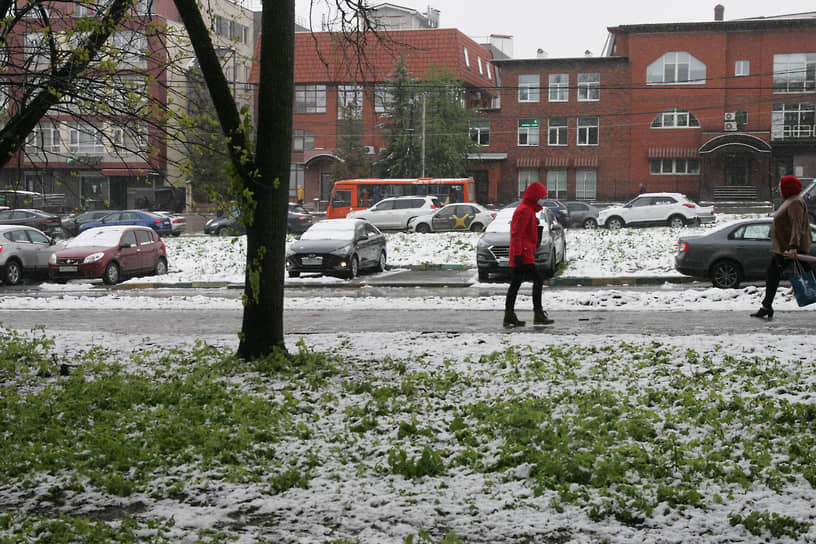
198 324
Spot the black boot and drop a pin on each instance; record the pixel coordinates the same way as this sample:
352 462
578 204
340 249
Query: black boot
763 312
541 318
510 319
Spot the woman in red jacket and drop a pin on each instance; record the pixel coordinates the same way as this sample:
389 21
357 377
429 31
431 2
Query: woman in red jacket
524 239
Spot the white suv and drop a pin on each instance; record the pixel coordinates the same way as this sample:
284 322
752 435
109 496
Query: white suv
672 209
395 212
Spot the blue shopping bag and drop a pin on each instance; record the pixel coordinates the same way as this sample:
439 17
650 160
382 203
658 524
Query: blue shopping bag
804 285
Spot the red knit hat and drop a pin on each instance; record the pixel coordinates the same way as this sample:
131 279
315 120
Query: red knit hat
789 185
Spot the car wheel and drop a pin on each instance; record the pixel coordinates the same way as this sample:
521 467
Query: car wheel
590 223
476 227
161 267
12 273
111 276
176 233
354 268
614 223
726 274
381 262
677 221
423 228
223 231
484 275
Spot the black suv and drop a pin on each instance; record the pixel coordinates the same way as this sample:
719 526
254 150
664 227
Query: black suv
809 194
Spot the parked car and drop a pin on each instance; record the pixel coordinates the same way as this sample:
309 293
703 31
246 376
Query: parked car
226 225
395 212
730 254
299 218
229 224
472 217
809 194
156 222
558 208
672 209
24 253
71 224
110 252
493 247
337 247
178 223
582 215
40 220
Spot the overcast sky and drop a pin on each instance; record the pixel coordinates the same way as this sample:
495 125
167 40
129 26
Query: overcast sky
568 29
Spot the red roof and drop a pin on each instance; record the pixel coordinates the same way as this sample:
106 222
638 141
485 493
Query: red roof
324 57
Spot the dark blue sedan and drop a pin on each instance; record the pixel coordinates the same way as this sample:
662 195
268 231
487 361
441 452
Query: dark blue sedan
159 223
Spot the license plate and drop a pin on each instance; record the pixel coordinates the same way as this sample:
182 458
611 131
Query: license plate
67 268
311 261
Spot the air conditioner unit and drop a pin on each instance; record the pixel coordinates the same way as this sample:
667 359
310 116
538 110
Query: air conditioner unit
730 126
369 149
730 116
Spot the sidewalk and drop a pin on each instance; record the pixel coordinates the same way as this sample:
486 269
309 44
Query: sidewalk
451 276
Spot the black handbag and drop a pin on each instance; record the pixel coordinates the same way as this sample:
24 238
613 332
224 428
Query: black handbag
804 284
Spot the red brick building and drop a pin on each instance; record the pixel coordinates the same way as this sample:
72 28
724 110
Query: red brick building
718 110
330 79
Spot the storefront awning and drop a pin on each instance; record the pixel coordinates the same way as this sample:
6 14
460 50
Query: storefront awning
528 162
556 162
585 162
116 172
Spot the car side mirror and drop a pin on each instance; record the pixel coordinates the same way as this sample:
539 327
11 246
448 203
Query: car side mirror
363 236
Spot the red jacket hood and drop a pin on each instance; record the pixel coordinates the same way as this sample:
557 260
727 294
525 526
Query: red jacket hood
533 194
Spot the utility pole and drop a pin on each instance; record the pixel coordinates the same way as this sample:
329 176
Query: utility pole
422 156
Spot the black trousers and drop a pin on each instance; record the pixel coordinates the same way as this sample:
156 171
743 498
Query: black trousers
773 275
520 274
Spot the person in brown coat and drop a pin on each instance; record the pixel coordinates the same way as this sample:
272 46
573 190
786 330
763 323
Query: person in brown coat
790 234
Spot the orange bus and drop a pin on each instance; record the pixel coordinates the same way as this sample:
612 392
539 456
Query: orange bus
359 194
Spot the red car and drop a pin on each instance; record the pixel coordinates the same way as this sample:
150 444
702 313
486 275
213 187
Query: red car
110 253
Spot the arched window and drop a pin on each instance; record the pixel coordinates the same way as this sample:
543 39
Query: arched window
676 67
675 118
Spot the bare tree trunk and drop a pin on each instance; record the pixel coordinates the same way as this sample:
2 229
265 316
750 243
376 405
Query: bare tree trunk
264 173
262 328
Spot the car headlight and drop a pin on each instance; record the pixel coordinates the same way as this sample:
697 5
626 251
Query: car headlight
93 257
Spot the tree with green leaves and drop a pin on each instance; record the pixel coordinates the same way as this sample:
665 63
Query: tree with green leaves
354 161
428 129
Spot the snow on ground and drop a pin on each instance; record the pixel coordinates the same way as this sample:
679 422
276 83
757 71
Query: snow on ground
367 507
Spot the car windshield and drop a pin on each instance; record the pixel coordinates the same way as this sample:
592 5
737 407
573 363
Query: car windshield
96 237
329 231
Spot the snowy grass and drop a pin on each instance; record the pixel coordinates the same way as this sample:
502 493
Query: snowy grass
443 438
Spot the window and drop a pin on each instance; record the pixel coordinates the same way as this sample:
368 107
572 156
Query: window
557 183
480 131
85 139
4 99
794 73
587 131
675 118
526 177
310 99
481 68
489 75
589 87
674 166
742 68
529 86
467 58
349 102
297 174
128 138
44 138
383 97
676 67
130 47
302 140
557 131
586 184
792 121
35 49
528 132
559 87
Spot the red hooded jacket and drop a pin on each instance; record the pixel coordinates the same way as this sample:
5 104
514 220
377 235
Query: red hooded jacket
524 225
